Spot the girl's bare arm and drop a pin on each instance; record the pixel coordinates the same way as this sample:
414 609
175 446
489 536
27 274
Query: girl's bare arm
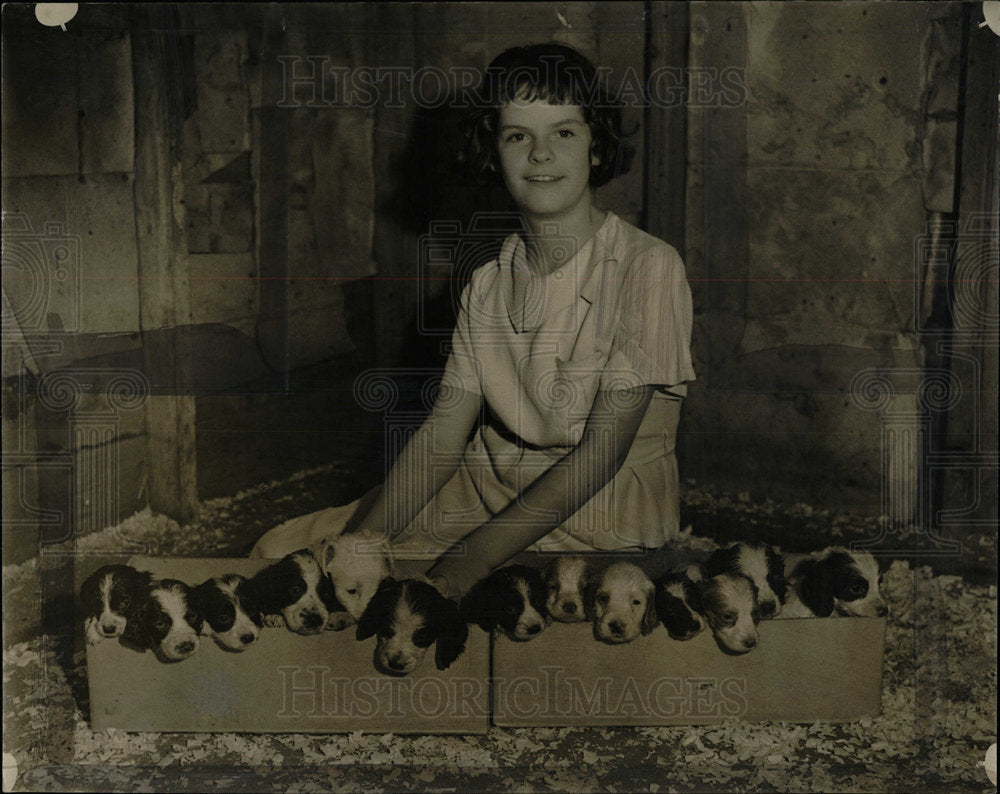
558 493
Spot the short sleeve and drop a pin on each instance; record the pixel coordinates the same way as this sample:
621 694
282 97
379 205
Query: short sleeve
652 339
462 371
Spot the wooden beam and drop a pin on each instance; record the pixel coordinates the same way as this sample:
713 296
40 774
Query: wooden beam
164 291
665 146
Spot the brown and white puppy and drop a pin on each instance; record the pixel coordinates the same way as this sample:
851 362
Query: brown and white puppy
834 582
167 623
621 603
729 603
566 581
296 589
231 616
407 617
761 564
510 600
678 604
110 597
356 564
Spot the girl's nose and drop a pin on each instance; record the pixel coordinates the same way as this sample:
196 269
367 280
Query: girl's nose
540 153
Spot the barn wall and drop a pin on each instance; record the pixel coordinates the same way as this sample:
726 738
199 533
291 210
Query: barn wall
807 201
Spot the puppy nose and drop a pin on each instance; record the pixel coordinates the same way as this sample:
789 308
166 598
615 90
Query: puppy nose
312 620
882 610
534 628
108 629
749 642
185 647
397 662
617 627
246 639
767 608
569 607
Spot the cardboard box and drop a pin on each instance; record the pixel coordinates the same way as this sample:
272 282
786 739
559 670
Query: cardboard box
801 671
284 682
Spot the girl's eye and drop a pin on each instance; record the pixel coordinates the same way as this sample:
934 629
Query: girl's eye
566 133
515 137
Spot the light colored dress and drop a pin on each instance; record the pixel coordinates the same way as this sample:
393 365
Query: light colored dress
615 315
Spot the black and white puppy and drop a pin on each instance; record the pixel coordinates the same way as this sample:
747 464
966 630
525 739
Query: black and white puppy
167 623
566 582
510 600
295 588
761 564
678 605
834 582
408 616
729 603
230 615
621 601
111 596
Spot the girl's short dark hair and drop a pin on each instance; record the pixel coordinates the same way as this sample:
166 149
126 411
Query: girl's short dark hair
552 73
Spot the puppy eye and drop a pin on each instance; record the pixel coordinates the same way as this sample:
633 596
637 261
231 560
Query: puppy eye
190 616
296 590
857 590
602 599
159 623
125 602
352 591
729 618
636 602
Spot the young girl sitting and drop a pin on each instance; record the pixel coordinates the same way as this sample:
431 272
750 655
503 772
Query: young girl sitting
570 353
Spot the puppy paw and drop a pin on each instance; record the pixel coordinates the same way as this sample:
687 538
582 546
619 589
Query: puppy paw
338 621
274 621
93 635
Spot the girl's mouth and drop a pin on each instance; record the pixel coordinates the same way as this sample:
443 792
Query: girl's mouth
543 178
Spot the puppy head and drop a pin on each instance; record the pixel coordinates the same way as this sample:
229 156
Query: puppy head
407 617
729 603
677 604
230 617
622 602
566 581
295 588
841 582
167 622
110 597
356 564
511 600
761 564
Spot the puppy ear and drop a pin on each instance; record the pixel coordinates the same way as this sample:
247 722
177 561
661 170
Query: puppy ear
452 633
816 587
722 560
589 594
776 573
378 610
478 605
328 595
136 634
650 619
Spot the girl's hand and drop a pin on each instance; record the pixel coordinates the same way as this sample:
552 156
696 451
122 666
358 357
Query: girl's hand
455 576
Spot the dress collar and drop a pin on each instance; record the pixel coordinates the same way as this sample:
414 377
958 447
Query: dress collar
579 276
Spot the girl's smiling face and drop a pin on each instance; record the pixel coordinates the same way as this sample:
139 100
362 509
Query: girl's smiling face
545 155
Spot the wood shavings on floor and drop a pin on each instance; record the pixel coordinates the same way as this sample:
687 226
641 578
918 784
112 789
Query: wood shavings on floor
938 714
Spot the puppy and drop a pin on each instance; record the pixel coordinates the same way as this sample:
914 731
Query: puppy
566 581
230 615
167 622
834 582
296 589
510 600
408 616
678 605
729 603
622 604
111 596
356 564
761 564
